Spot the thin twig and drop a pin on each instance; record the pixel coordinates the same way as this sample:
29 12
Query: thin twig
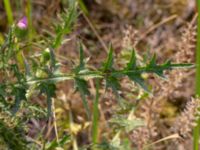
96 33
173 136
155 26
194 19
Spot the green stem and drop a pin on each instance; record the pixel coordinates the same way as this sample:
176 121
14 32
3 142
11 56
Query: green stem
8 11
95 115
29 17
197 128
198 53
85 103
99 74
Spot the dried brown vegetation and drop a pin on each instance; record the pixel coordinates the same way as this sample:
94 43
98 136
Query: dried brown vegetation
145 25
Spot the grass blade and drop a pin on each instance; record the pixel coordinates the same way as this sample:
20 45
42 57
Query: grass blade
8 11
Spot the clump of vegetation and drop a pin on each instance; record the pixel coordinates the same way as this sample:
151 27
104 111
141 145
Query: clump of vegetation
121 102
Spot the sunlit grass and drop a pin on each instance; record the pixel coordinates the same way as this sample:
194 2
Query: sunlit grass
197 128
8 11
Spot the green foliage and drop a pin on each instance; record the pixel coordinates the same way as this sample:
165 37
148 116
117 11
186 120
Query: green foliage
38 75
54 144
24 77
42 73
8 11
115 144
83 7
137 76
81 84
66 25
12 137
111 81
127 124
95 114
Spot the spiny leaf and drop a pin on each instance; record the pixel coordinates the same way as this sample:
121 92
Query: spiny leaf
69 19
113 83
152 67
132 63
82 87
81 65
139 80
81 57
152 62
49 90
127 124
135 76
109 62
169 65
82 84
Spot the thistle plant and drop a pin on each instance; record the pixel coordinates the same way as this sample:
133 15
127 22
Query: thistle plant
45 74
25 75
23 23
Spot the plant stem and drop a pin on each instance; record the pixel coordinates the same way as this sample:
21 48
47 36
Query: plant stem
85 103
99 74
54 120
198 53
95 115
8 11
197 128
29 16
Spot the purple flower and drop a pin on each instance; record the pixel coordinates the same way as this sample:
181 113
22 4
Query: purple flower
22 24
